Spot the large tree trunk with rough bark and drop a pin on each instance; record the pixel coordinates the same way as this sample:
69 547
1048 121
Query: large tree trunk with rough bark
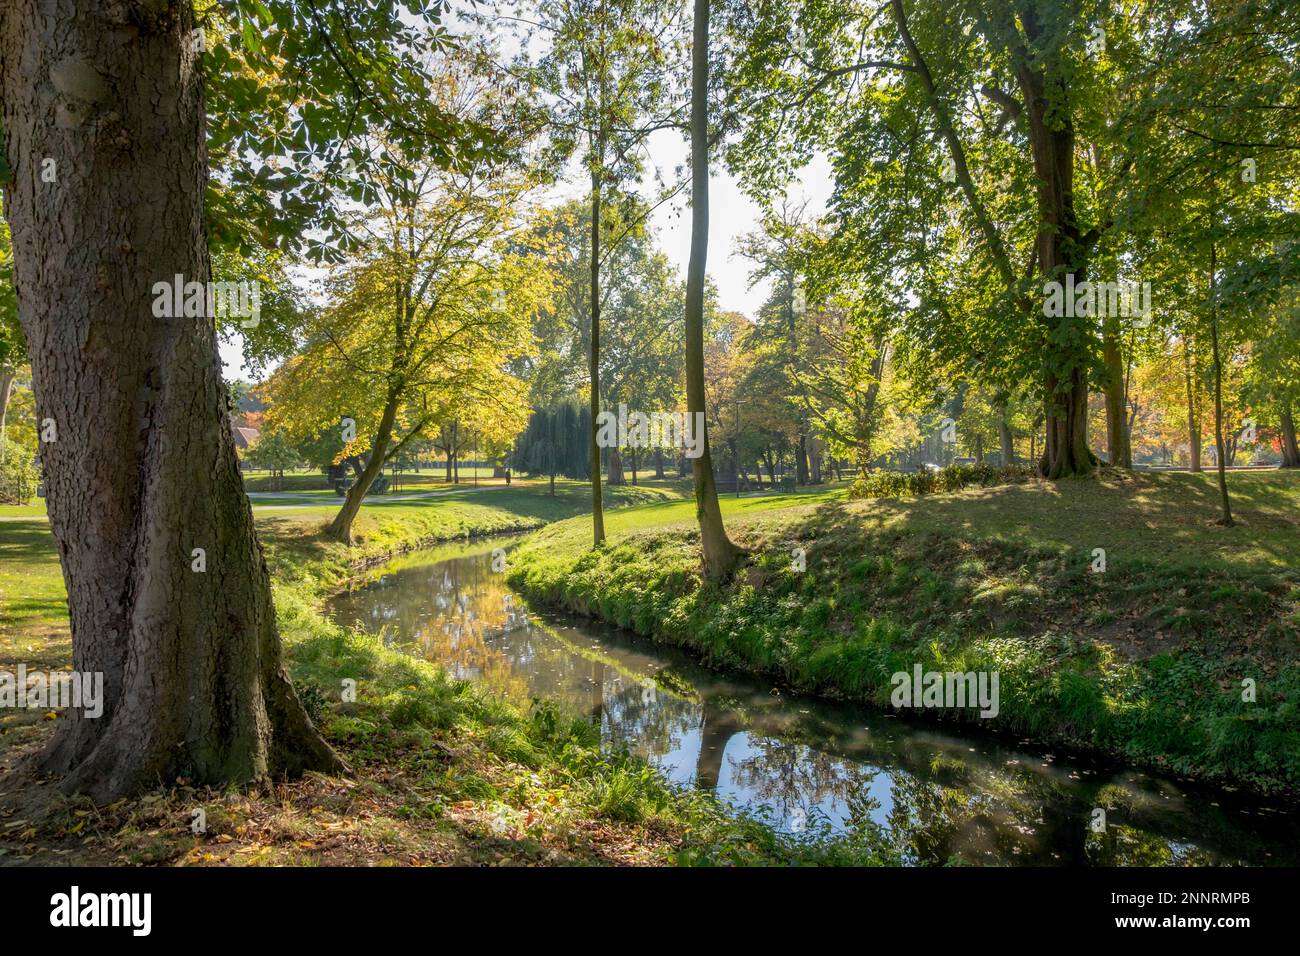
143 472
1059 252
720 554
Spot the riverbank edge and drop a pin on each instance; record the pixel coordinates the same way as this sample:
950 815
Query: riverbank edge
649 589
396 695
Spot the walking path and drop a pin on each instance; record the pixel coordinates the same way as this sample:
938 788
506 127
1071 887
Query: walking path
316 501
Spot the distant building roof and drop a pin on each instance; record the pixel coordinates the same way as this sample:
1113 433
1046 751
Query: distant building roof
245 436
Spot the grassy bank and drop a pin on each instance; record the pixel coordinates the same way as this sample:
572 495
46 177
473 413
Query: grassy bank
1143 660
443 772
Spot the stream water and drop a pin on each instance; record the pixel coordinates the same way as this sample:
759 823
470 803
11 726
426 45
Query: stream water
941 794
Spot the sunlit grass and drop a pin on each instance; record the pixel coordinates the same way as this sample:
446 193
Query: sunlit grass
1144 659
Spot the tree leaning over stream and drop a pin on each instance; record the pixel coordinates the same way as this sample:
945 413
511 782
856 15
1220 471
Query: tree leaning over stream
420 326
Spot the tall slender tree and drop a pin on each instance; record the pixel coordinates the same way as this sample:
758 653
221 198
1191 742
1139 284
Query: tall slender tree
609 73
720 554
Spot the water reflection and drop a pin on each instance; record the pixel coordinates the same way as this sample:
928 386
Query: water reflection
941 796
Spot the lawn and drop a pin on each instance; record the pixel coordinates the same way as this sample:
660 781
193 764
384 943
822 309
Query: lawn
1142 656
443 772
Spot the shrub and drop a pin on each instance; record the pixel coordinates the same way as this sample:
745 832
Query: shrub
18 477
902 484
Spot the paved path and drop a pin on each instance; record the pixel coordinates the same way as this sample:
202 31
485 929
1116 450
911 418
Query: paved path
320 502
370 499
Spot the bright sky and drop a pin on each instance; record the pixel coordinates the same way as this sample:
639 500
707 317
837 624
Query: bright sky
731 216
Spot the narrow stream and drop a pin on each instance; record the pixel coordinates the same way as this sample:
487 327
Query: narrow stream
942 795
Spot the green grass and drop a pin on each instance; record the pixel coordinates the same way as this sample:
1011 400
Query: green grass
445 772
36 509
313 480
33 602
1144 661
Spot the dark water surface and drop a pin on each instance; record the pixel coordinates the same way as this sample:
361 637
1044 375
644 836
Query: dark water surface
942 795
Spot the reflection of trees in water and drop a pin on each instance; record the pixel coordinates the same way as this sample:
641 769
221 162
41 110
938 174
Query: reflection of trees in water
949 802
641 717
1016 815
789 776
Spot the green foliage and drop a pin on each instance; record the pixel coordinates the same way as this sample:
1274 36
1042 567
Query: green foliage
19 477
896 484
294 92
1144 661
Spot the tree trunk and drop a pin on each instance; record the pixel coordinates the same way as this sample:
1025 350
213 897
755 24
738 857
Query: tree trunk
720 555
1005 443
1193 419
340 529
1290 451
8 376
1059 252
614 464
593 362
1220 452
1118 444
144 468
659 463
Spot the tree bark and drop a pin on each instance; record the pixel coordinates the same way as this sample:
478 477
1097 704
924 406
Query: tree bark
720 554
1005 443
593 362
341 527
614 464
8 376
144 468
1290 451
1118 444
1059 252
1221 456
1193 418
